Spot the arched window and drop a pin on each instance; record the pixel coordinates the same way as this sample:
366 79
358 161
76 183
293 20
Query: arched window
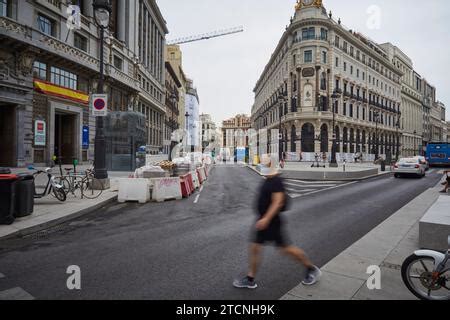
308 138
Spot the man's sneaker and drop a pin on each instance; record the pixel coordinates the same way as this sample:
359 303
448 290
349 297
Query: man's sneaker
245 283
312 277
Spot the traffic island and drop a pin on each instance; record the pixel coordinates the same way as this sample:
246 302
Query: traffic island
347 172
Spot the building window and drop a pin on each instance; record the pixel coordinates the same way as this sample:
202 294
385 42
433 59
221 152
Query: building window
309 33
345 47
40 70
345 66
351 69
63 78
337 41
357 73
351 51
80 42
351 111
324 57
344 109
118 63
337 62
308 56
3 8
46 25
323 34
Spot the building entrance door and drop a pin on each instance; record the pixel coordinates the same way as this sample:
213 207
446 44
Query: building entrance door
65 137
8 135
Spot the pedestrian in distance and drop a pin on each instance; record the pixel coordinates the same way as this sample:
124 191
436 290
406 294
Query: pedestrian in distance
447 182
269 228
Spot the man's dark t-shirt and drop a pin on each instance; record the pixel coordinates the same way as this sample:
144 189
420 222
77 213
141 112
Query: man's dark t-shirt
269 187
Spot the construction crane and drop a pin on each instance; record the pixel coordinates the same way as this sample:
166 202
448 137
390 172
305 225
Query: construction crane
206 36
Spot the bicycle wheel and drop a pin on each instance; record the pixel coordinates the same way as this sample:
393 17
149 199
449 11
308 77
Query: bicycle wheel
60 194
88 190
419 277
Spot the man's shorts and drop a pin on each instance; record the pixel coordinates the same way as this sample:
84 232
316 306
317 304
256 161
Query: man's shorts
274 233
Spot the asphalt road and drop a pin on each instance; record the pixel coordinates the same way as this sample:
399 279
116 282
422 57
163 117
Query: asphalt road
186 250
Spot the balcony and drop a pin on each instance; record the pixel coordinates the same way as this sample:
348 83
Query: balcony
16 32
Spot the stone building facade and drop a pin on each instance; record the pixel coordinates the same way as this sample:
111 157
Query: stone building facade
50 73
235 131
315 57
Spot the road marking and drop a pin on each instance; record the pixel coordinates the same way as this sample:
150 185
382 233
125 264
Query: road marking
196 198
296 195
310 185
301 182
15 294
300 191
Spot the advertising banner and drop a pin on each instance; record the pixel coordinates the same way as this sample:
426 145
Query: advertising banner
40 133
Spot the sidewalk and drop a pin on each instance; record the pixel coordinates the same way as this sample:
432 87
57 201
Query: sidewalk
49 212
387 246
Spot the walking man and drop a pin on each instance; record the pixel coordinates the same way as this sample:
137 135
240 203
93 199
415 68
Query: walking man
272 202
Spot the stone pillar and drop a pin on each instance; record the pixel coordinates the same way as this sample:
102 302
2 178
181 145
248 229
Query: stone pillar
121 25
317 90
299 89
88 9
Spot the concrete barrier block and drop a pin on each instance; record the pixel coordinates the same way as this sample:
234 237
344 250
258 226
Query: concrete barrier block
134 190
434 227
166 189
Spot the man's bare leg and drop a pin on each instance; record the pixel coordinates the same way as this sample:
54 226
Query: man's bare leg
255 259
299 255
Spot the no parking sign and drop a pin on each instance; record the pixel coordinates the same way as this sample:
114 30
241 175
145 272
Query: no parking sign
99 105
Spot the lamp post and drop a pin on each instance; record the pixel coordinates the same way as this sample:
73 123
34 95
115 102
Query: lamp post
187 127
397 153
102 14
376 115
281 101
333 163
415 143
173 100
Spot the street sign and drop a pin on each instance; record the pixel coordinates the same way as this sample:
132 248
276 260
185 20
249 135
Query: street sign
99 105
85 137
40 133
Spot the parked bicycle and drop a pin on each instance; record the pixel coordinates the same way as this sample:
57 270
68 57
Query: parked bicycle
426 274
81 185
52 187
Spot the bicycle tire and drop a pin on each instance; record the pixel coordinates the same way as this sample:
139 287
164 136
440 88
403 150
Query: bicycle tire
405 268
60 194
88 192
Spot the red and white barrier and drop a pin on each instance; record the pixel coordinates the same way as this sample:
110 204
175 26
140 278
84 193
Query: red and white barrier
195 179
187 186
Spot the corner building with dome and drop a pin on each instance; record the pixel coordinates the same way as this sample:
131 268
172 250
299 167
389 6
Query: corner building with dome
319 65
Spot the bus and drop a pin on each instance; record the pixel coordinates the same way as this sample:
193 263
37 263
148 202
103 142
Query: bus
438 154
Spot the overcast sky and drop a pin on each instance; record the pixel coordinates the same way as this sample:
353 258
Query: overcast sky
225 69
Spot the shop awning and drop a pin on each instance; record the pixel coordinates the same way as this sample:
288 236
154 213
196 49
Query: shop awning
61 92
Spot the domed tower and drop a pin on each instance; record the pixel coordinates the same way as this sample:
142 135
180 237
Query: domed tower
309 9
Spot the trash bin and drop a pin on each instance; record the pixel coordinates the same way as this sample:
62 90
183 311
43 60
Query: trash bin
7 198
24 195
383 165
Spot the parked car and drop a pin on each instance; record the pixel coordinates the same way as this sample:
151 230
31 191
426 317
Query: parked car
409 166
424 162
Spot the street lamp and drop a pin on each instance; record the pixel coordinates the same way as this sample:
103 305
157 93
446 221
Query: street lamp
187 127
415 142
376 115
335 97
397 153
173 100
102 14
281 101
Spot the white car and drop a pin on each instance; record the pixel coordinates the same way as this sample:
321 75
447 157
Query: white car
409 166
424 162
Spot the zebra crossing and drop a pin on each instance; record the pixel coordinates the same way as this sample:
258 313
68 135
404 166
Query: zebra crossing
16 293
300 188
